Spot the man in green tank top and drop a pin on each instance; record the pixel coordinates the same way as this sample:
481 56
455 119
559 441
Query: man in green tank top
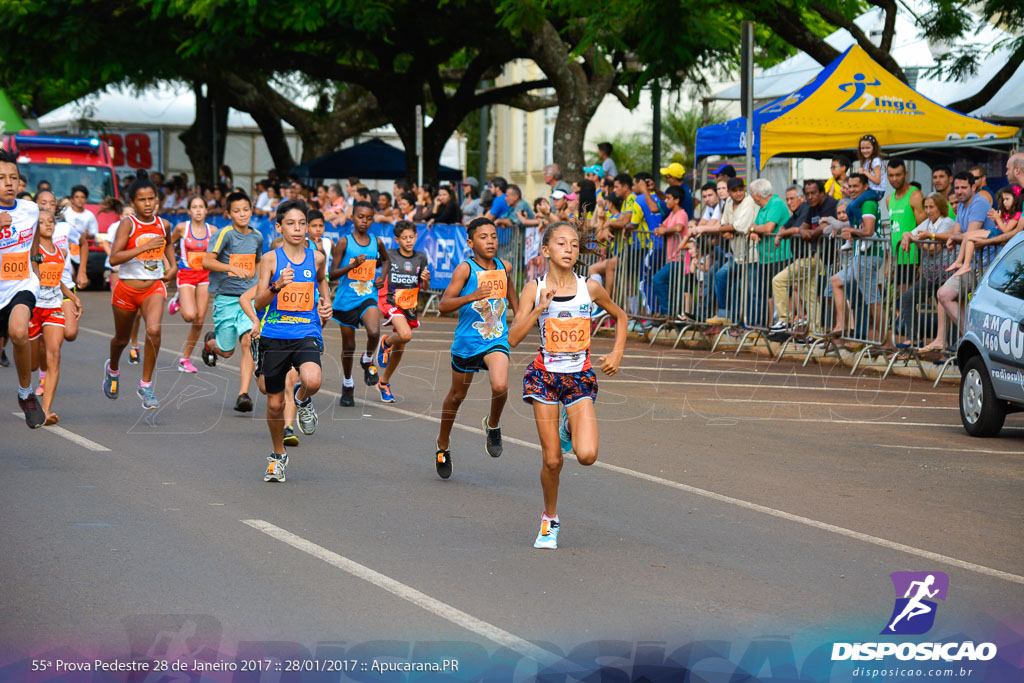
906 210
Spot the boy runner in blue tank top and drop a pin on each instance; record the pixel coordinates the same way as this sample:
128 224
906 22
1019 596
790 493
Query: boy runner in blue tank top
356 259
478 290
292 289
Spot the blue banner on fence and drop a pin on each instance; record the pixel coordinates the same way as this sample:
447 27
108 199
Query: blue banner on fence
444 245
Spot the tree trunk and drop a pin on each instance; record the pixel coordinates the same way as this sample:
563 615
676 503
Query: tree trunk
580 91
277 142
211 112
351 112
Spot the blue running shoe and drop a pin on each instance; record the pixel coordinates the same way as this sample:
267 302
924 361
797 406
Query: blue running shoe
385 392
110 382
148 397
564 435
548 535
383 354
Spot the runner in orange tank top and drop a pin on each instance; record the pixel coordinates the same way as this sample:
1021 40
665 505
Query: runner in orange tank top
143 250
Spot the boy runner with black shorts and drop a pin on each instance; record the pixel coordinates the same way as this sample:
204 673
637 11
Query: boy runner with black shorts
479 290
398 299
232 264
355 302
19 283
293 293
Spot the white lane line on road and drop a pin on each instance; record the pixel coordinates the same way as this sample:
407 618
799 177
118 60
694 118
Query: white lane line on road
71 436
947 449
762 385
842 531
408 593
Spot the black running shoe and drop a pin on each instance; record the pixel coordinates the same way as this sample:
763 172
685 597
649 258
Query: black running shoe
208 356
443 463
347 397
493 441
369 373
4 361
34 415
244 403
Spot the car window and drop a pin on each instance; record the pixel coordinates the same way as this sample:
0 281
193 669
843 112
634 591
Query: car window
1008 275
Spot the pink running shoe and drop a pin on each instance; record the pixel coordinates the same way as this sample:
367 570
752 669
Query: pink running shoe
173 306
185 365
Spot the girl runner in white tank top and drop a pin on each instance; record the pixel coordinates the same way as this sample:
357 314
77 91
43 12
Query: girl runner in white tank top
560 382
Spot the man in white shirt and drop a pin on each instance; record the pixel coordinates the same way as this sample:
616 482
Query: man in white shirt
19 286
712 207
81 218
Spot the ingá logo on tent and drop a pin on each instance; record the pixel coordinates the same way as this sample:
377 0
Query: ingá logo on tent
873 102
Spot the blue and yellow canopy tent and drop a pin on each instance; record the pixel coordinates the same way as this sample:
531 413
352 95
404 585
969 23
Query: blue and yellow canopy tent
851 96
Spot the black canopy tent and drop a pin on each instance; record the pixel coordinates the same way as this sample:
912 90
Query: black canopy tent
374 159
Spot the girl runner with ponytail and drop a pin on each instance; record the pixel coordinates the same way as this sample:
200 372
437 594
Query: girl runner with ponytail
193 297
141 243
560 382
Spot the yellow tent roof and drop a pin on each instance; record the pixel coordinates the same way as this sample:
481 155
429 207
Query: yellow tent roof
849 98
859 97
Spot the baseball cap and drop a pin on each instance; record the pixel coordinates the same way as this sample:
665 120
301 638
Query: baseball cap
596 170
471 181
735 183
725 168
558 194
675 169
571 195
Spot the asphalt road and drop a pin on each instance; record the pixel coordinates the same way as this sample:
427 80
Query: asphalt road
734 498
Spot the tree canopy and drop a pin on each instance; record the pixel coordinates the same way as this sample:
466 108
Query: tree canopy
335 68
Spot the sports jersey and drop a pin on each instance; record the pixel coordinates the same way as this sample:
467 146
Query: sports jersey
402 286
66 237
565 330
356 286
84 220
16 274
149 265
191 250
482 323
50 271
242 250
292 313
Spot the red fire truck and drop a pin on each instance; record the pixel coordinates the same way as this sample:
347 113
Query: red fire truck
66 162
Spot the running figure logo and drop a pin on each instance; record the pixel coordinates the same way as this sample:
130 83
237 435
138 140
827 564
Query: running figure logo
858 87
914 612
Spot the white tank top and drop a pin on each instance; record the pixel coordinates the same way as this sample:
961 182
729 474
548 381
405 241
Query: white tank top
564 330
145 266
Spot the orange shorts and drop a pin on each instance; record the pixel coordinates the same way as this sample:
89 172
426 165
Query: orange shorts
130 299
44 316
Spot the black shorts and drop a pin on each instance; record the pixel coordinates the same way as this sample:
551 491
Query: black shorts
353 318
472 364
277 356
21 298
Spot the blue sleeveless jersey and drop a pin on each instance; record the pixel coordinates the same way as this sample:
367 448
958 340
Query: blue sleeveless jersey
481 323
352 293
293 324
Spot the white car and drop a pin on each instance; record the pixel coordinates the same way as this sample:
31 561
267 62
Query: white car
991 353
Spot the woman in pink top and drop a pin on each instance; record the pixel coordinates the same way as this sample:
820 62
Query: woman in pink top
668 282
